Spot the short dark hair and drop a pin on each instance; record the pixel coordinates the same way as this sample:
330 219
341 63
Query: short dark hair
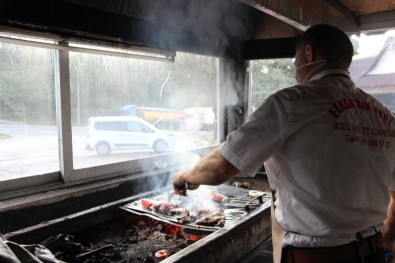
330 42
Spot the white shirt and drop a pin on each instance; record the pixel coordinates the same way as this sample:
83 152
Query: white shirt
329 153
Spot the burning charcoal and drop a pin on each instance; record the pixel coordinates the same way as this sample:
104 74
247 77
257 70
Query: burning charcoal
186 243
141 225
133 231
123 240
143 234
94 251
159 227
149 260
158 236
133 240
114 254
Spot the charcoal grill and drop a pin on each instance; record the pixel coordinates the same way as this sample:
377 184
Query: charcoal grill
247 224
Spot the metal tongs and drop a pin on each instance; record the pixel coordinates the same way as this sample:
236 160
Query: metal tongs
247 205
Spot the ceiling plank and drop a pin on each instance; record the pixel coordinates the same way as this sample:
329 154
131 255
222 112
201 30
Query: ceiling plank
303 13
270 48
378 21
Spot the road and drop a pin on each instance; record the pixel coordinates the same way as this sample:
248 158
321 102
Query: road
27 150
31 150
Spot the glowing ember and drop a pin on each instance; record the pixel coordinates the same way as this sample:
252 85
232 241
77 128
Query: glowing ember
172 230
194 237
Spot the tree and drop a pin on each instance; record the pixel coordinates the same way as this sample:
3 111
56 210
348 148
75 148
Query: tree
269 76
100 85
26 85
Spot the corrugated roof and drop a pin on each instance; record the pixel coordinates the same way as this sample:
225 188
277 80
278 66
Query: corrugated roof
376 74
386 64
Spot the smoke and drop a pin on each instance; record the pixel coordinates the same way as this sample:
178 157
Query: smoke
197 199
207 27
216 28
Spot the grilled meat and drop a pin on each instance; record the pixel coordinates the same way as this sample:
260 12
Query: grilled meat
199 216
165 208
174 210
182 215
212 218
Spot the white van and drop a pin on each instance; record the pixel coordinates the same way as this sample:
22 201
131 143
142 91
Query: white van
126 132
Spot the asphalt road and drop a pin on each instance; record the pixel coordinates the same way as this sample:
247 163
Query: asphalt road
30 150
27 150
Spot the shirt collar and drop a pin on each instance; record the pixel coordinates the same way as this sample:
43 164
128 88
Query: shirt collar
330 72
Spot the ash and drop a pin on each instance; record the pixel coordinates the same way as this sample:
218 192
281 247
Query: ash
123 239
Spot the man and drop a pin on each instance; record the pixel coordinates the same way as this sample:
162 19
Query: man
329 153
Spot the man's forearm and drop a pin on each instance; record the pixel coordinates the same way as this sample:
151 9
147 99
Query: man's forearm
213 169
389 223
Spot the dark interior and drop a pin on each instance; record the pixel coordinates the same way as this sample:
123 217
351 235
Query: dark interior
237 29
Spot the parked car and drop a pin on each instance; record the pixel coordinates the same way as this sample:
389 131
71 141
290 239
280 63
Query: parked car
126 132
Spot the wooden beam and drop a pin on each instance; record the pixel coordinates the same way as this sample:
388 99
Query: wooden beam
270 48
378 21
303 13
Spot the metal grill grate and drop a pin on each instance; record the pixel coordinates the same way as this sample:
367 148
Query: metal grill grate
237 203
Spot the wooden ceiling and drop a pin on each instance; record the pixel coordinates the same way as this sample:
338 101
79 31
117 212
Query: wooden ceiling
352 16
239 29
365 7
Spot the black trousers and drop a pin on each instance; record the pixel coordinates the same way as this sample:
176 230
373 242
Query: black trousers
370 251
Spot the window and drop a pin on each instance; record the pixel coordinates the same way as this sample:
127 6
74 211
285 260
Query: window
372 70
158 93
99 85
28 132
111 126
137 127
269 76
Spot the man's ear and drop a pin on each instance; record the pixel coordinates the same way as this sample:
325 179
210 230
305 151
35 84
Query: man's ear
309 53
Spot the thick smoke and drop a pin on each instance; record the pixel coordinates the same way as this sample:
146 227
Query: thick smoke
216 28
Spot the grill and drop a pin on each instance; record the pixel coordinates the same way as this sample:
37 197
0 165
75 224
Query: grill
238 203
247 226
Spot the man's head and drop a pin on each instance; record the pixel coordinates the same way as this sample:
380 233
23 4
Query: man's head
322 46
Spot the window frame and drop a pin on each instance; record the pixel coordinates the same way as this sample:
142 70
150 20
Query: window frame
67 176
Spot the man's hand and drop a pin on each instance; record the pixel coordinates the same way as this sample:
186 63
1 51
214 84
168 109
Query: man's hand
389 251
181 185
212 169
389 227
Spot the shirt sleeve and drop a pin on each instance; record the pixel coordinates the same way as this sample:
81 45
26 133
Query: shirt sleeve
259 138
